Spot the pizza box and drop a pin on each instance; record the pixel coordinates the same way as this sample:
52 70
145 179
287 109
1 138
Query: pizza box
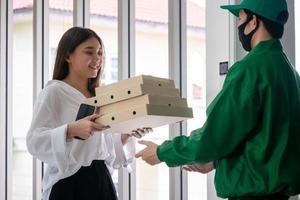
141 116
144 99
138 80
128 92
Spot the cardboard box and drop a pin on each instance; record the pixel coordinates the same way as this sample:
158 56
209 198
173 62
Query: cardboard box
134 81
143 100
141 116
127 92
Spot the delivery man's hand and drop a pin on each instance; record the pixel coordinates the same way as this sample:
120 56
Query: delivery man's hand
149 153
202 168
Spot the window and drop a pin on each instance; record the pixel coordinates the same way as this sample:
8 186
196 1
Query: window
152 59
196 84
60 20
52 58
103 20
110 73
114 69
22 92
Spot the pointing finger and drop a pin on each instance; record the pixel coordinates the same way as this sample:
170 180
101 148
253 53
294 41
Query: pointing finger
145 142
140 153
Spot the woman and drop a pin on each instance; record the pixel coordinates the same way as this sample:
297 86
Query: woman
77 169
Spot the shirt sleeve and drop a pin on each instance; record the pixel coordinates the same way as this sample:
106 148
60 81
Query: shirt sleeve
124 153
45 140
231 118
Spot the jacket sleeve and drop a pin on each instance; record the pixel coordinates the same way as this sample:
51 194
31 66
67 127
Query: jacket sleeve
45 140
231 118
124 153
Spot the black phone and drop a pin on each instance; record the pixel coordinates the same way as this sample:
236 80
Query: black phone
84 111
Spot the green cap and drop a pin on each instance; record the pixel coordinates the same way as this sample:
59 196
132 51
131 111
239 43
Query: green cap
274 10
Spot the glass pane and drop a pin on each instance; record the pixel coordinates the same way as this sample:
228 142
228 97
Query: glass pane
103 20
151 33
196 84
22 94
297 28
60 20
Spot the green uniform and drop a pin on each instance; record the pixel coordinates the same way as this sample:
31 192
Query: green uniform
252 131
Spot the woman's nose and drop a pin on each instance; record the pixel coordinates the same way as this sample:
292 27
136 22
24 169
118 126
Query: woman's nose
96 58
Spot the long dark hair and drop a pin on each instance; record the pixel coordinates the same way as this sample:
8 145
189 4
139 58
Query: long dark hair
71 39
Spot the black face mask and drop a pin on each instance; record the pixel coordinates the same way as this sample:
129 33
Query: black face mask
246 39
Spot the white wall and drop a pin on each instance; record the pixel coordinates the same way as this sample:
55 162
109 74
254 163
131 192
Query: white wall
217 50
288 40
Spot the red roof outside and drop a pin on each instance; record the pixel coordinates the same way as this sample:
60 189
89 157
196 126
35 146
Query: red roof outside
154 11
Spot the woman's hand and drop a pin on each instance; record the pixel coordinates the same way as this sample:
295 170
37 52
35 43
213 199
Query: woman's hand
84 127
138 133
202 168
141 132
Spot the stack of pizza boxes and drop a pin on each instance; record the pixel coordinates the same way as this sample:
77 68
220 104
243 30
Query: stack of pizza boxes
138 102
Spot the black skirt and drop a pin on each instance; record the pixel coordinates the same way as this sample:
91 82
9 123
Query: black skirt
93 183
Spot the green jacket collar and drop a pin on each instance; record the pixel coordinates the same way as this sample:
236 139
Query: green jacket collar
274 44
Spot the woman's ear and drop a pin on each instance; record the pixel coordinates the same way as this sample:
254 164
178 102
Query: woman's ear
67 58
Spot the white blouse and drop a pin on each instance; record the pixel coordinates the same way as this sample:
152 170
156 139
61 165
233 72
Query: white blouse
56 106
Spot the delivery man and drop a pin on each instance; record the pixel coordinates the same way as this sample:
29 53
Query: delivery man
252 133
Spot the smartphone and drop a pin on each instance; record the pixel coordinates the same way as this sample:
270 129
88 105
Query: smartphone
84 111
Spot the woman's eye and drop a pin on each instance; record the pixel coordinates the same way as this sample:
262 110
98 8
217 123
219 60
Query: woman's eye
89 53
